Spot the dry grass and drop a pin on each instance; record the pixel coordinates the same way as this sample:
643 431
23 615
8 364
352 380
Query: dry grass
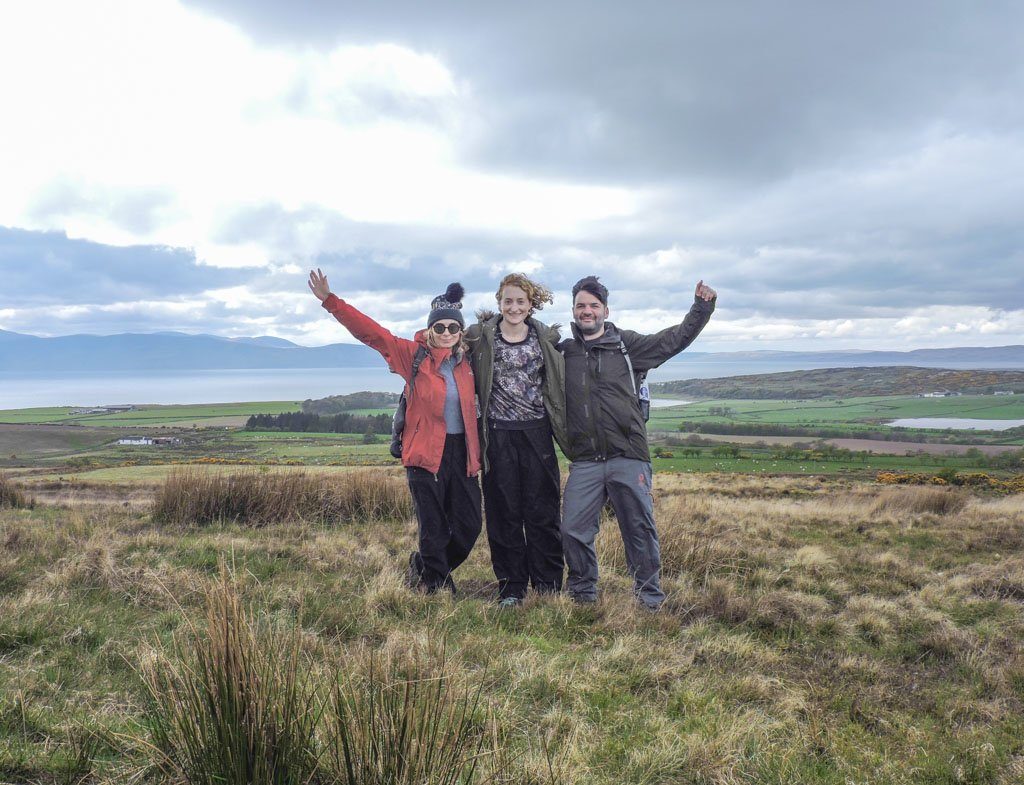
191 498
919 500
11 494
814 632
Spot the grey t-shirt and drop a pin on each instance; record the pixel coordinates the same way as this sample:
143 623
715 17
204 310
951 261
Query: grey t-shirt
516 387
452 408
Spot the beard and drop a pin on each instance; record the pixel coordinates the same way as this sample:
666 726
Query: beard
591 329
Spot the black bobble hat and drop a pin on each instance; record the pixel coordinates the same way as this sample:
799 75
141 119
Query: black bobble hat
447 305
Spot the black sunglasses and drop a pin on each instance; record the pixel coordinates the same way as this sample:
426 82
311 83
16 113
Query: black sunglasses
454 328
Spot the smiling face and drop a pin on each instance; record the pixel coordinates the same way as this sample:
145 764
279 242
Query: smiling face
446 339
589 314
514 305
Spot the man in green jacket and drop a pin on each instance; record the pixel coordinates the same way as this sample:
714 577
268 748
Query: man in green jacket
607 436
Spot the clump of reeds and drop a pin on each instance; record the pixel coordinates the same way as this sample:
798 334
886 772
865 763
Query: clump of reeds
11 495
919 500
233 705
197 498
241 701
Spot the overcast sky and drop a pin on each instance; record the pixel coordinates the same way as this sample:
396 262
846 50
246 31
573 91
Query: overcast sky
847 175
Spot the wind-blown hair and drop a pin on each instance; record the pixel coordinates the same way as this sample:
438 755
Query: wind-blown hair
536 293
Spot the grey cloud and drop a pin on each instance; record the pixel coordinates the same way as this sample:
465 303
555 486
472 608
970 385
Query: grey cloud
651 91
49 269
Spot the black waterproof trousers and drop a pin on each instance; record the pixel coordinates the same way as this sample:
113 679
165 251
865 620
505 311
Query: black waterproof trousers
521 495
448 510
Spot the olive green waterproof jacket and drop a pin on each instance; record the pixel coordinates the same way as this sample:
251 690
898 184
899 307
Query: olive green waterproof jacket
480 337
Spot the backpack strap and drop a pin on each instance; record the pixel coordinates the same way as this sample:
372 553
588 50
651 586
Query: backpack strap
643 395
417 360
629 365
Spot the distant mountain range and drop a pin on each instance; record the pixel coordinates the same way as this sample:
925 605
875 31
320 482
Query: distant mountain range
179 351
171 351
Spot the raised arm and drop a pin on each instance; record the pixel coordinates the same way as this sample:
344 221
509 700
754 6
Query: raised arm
398 352
650 351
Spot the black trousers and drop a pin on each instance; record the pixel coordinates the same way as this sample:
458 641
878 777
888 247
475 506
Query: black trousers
448 510
521 492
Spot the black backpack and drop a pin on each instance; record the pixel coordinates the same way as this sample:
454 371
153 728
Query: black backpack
398 422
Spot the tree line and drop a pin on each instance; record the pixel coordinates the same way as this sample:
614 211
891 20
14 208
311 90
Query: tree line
301 422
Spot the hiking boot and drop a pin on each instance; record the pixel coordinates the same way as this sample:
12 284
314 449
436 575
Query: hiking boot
414 572
510 602
583 599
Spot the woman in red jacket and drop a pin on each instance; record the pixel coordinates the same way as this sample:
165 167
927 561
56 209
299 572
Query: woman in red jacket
440 443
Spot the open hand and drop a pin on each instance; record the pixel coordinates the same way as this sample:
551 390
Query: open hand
318 284
704 292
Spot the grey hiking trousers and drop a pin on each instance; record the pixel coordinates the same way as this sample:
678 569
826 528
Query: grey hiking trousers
627 483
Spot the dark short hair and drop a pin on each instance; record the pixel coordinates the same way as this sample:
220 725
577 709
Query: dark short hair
592 285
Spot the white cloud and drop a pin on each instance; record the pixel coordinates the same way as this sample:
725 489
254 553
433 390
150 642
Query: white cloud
119 98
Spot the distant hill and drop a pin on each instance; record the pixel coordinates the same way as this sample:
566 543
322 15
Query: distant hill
845 383
171 351
960 356
336 404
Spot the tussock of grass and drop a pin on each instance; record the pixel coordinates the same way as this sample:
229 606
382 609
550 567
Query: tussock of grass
241 700
234 704
914 500
190 498
398 724
11 495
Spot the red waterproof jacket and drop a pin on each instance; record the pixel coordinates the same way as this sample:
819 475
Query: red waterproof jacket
423 438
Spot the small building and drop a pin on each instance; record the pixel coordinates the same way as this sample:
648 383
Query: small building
104 410
139 441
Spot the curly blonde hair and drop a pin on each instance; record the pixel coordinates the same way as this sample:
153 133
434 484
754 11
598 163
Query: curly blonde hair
536 293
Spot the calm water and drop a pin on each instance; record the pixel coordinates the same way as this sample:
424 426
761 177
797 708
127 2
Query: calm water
960 423
661 403
23 390
118 387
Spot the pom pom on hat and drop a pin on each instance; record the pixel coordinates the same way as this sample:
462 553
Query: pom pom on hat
448 305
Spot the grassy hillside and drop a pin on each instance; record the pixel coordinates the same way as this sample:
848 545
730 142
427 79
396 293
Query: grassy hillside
835 416
815 632
844 383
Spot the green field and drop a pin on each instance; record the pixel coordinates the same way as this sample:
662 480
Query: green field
855 414
180 415
761 461
211 434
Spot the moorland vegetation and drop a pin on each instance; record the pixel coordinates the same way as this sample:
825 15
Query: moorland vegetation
816 630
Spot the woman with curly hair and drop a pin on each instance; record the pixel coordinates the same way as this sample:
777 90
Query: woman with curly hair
520 381
440 443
